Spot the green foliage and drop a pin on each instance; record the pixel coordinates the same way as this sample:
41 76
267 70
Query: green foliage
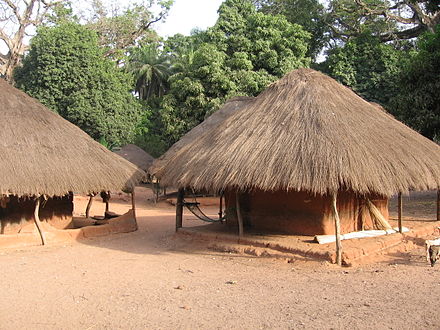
66 70
151 71
369 67
310 14
351 19
418 103
149 132
244 52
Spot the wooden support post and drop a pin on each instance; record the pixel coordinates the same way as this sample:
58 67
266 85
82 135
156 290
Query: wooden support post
157 191
179 208
438 204
337 231
38 222
239 217
89 205
220 211
399 212
107 206
133 204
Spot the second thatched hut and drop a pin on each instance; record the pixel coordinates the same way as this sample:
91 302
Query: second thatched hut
304 148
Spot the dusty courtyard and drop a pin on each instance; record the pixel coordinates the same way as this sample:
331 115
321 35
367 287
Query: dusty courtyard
152 279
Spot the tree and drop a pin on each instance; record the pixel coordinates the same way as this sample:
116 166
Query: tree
119 29
387 19
371 68
310 14
151 71
18 18
418 103
244 52
67 71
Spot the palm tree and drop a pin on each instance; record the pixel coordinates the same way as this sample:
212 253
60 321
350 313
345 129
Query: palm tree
151 71
182 61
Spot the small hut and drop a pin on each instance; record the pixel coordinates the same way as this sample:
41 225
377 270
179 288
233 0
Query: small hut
307 150
136 155
45 159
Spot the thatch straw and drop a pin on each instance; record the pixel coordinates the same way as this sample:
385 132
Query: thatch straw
44 154
136 155
307 132
229 108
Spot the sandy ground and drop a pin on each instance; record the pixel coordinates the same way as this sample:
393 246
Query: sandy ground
150 279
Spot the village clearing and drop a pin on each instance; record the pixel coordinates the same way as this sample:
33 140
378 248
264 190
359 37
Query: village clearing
153 279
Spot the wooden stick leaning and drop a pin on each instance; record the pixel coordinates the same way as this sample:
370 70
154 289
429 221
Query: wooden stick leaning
89 205
38 222
378 218
337 231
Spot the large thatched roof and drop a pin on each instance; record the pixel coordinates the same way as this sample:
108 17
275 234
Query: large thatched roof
308 132
136 155
229 108
42 153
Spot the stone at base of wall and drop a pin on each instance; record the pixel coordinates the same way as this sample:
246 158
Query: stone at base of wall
124 224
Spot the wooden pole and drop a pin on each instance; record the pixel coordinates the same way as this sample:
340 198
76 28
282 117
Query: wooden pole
239 217
337 231
133 204
399 212
107 202
179 208
38 222
157 191
438 204
220 211
89 205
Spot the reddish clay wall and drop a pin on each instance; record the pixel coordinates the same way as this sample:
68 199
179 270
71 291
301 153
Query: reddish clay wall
18 215
300 212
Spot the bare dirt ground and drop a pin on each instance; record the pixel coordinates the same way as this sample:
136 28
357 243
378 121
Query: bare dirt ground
151 279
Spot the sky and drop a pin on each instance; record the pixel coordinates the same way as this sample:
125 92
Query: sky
185 15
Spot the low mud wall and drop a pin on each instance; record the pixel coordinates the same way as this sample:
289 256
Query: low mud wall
302 213
17 214
122 224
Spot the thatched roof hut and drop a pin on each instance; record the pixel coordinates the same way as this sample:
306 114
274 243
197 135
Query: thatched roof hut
307 132
44 154
306 152
227 110
136 155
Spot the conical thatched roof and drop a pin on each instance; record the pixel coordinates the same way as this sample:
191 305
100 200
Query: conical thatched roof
42 153
230 107
136 155
308 132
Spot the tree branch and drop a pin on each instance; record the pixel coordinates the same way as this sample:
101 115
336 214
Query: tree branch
4 58
14 8
6 39
404 34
